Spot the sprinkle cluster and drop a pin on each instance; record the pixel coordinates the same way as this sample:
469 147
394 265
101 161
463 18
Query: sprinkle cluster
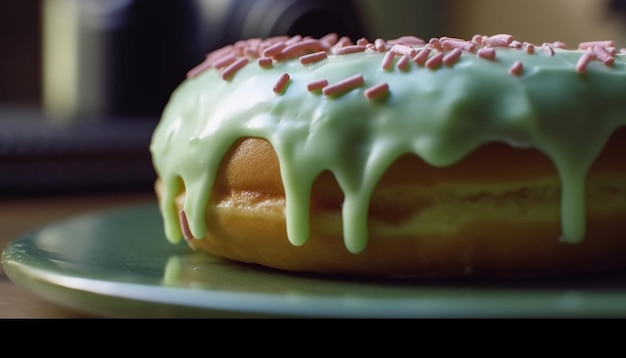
399 53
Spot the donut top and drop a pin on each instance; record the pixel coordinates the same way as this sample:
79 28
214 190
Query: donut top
353 108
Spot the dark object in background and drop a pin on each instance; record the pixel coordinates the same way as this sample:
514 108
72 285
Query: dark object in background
41 157
151 44
20 43
139 51
618 5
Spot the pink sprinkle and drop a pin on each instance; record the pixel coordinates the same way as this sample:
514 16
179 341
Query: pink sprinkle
530 48
302 46
588 44
240 46
251 51
234 67
434 43
435 61
408 40
249 48
362 41
274 49
350 49
422 56
547 49
516 69
265 62
224 61
450 44
272 40
603 55
403 50
344 85
314 57
477 39
381 45
515 44
500 40
583 62
452 57
559 44
281 83
446 38
184 225
488 53
387 63
343 41
294 39
329 39
376 91
316 85
403 63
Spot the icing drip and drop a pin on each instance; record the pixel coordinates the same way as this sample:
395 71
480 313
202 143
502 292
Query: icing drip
452 97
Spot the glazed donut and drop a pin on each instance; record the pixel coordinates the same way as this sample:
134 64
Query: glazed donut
487 157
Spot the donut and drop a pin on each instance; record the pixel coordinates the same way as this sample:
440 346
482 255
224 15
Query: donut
483 157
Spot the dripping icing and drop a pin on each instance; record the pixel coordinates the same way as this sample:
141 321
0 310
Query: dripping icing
563 102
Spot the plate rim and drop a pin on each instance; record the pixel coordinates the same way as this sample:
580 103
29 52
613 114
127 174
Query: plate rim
214 303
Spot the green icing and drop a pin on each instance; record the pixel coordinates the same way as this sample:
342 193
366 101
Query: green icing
440 115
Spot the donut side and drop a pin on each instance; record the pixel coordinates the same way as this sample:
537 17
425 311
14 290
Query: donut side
494 214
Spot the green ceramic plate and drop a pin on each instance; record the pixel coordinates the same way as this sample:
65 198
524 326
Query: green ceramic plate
118 264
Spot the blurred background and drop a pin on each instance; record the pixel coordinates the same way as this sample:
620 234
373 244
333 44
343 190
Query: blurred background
83 82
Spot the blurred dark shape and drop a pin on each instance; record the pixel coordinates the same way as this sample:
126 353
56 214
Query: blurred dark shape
20 46
42 157
132 54
618 6
151 44
243 19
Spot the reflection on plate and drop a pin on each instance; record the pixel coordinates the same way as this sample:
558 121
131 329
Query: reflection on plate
118 264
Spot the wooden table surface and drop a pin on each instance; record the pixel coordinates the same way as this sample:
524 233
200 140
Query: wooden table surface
21 215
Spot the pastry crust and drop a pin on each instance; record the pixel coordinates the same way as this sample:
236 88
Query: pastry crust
495 214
